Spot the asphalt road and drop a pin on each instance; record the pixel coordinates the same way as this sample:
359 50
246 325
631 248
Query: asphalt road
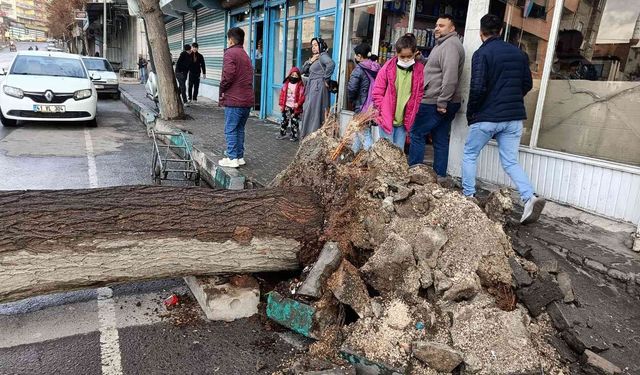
124 329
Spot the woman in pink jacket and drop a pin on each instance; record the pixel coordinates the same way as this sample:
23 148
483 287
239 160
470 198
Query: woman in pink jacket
398 90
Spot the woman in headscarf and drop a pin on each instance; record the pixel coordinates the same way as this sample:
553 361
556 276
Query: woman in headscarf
319 68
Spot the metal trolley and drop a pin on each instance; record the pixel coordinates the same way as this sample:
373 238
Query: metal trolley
173 159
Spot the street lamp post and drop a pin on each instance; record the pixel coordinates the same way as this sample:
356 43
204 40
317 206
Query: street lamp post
104 30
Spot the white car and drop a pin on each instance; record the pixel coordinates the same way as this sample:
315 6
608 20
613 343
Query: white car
47 86
104 78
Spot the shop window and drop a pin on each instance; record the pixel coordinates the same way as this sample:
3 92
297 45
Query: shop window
327 4
361 21
292 44
395 23
326 31
278 63
308 33
427 13
295 7
309 6
592 104
531 35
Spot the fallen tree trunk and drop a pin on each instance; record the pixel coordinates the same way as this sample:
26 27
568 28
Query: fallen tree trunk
68 239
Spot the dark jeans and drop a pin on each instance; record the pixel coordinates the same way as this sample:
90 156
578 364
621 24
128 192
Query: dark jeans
182 85
194 85
429 120
235 118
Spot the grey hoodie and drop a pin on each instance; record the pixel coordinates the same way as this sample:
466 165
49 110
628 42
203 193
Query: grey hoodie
442 71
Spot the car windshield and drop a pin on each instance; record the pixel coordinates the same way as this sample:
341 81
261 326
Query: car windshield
48 66
98 64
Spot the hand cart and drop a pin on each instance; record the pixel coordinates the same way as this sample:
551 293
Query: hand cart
173 159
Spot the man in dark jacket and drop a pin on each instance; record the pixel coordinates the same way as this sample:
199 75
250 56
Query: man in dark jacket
197 67
182 69
500 78
236 96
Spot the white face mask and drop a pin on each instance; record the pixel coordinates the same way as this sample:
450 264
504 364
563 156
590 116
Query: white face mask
406 63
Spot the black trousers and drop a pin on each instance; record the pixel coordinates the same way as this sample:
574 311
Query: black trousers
194 86
182 85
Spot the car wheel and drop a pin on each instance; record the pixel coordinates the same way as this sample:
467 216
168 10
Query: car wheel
92 123
7 122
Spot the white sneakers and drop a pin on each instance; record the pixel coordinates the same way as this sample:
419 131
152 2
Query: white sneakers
532 210
231 163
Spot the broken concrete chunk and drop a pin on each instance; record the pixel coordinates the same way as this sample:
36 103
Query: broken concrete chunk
462 289
441 282
428 242
550 266
402 193
564 282
365 366
426 276
600 364
581 339
343 370
520 276
227 301
327 263
347 286
558 315
422 174
499 205
438 356
392 268
537 296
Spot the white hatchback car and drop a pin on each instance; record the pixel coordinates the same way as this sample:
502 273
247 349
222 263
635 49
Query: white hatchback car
47 86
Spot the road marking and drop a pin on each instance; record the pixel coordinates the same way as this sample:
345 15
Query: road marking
109 342
91 159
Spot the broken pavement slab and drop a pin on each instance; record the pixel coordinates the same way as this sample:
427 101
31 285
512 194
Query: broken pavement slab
537 296
226 300
520 276
327 263
438 356
600 365
581 339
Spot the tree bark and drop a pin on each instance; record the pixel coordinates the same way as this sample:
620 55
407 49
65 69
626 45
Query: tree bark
171 107
69 239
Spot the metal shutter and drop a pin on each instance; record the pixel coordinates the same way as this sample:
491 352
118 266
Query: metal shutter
188 29
174 35
211 39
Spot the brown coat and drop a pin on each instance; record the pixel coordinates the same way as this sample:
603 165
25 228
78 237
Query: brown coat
236 85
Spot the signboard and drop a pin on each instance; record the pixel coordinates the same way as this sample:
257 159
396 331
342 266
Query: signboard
81 15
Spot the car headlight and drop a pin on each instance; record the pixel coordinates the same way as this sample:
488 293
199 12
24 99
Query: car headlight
82 94
112 81
14 91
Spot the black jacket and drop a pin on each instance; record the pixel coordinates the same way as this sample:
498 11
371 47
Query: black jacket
500 78
184 62
197 64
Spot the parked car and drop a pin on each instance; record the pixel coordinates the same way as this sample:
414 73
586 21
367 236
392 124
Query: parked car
47 86
104 78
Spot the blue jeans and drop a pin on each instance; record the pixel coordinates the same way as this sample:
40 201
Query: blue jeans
235 118
362 139
429 120
508 136
398 136
143 75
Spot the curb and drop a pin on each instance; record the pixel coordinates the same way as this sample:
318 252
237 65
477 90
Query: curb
210 171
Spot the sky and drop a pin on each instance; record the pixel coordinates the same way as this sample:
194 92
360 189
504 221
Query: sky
618 21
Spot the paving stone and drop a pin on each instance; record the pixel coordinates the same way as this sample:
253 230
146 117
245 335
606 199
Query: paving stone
594 265
438 356
537 296
520 276
226 301
600 364
566 354
559 318
580 339
575 258
327 263
619 275
564 282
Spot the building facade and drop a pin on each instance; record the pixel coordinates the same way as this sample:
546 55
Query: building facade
581 142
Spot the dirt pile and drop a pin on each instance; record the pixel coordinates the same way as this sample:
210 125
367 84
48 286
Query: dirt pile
424 269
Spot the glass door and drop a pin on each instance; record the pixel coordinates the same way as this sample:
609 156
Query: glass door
252 23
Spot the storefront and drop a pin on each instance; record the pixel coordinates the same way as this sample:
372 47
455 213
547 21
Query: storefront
580 142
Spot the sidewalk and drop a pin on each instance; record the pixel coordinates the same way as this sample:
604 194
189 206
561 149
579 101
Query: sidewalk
265 155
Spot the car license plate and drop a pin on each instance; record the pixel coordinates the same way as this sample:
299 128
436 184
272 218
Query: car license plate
99 87
48 108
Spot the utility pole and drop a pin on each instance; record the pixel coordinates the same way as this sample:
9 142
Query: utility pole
104 30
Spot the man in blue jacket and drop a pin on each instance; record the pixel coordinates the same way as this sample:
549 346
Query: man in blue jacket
500 78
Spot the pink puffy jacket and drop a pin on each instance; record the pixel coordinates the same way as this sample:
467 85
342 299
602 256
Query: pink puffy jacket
385 97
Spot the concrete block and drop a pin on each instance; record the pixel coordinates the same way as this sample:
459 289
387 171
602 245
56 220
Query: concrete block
537 296
600 364
226 300
619 275
594 265
327 263
564 282
520 276
438 356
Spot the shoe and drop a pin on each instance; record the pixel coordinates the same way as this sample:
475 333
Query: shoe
293 139
231 163
187 104
241 161
281 136
532 210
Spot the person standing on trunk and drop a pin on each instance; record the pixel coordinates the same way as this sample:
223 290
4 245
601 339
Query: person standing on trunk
500 78
236 96
441 100
197 67
319 68
182 70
